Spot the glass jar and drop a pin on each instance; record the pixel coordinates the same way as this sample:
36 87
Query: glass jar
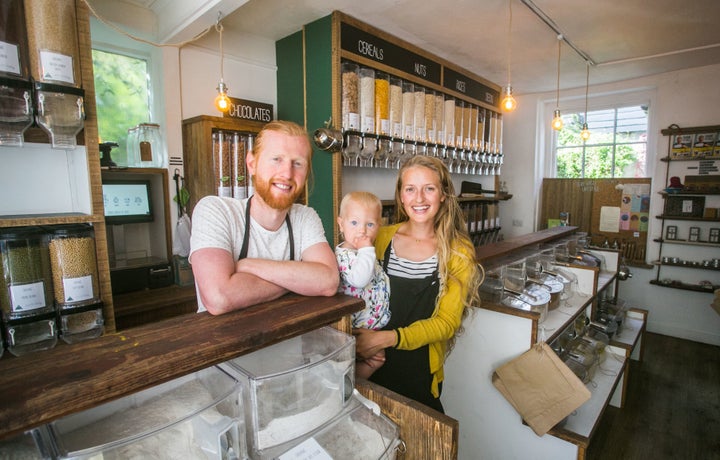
16 108
133 149
221 142
73 263
367 99
459 114
419 111
396 107
53 41
239 179
382 103
350 96
430 116
26 288
439 119
151 146
449 121
408 111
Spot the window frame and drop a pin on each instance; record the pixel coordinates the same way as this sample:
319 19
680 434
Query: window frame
108 40
603 101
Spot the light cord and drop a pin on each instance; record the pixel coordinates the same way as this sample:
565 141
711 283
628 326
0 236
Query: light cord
139 39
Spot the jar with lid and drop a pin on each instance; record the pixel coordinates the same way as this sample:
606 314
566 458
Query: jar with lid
430 116
16 109
53 41
449 121
221 142
73 263
408 110
367 99
132 148
439 118
382 103
350 98
239 179
419 111
396 107
151 146
26 287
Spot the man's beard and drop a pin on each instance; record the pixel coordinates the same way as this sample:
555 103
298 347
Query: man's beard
263 189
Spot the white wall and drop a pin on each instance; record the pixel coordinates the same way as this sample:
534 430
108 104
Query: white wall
686 98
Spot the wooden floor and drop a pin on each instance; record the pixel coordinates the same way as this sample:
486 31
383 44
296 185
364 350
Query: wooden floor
672 408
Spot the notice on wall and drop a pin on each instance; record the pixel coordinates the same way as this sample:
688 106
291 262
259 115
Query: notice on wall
609 219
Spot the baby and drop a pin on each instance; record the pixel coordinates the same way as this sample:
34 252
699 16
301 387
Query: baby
361 275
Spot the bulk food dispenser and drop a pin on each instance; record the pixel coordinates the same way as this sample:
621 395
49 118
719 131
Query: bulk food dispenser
55 69
16 112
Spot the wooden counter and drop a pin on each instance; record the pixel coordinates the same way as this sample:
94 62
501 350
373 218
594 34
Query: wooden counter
496 254
43 386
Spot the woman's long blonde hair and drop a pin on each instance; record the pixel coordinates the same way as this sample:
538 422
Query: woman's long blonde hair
451 233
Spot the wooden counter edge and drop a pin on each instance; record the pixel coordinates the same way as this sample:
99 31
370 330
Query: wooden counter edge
43 386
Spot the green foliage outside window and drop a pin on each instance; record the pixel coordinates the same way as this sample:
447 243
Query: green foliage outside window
616 148
122 98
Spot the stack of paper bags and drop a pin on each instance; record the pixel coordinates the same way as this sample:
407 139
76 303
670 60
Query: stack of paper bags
540 387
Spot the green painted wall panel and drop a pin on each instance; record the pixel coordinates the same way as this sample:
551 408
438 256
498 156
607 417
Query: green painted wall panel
318 94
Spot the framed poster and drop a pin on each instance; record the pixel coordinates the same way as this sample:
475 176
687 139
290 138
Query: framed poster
714 235
694 234
671 232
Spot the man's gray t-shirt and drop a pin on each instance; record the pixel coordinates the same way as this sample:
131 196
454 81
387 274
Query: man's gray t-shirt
219 222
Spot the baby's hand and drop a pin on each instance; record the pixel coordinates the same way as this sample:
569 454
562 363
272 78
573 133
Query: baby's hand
362 241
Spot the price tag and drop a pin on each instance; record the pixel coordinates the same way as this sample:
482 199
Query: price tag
307 450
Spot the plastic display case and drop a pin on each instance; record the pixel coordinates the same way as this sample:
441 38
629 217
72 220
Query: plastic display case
295 386
198 416
30 445
360 432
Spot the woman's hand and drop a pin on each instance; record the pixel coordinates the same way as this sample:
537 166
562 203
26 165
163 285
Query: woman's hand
369 343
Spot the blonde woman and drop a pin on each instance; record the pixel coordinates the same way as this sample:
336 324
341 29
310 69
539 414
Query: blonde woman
434 280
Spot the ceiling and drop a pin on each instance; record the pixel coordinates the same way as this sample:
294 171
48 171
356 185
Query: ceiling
622 39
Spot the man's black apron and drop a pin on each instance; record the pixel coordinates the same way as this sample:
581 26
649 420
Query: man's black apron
246 236
407 372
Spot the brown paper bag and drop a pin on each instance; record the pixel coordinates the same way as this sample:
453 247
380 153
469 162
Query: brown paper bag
540 387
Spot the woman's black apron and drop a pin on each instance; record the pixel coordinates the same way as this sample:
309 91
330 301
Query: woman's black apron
407 372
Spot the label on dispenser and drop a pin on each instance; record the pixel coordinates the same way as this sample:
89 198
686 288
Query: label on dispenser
78 289
29 296
9 59
57 67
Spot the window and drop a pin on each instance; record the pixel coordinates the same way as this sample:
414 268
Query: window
122 96
617 146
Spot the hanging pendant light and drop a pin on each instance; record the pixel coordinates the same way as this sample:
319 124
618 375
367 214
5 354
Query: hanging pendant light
509 103
585 133
557 122
222 101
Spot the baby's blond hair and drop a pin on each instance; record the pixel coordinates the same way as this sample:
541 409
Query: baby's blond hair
366 199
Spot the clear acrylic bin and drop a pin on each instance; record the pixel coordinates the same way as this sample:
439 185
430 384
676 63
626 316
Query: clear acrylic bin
198 416
293 387
360 432
30 445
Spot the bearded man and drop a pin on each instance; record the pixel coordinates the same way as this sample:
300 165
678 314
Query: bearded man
244 252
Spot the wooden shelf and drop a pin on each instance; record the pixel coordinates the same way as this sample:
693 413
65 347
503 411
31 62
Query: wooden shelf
41 387
684 286
687 243
698 219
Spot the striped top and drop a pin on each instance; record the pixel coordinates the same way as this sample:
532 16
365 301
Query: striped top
404 268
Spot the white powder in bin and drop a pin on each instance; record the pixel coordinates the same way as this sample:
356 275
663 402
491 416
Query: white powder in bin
354 440
172 442
306 402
